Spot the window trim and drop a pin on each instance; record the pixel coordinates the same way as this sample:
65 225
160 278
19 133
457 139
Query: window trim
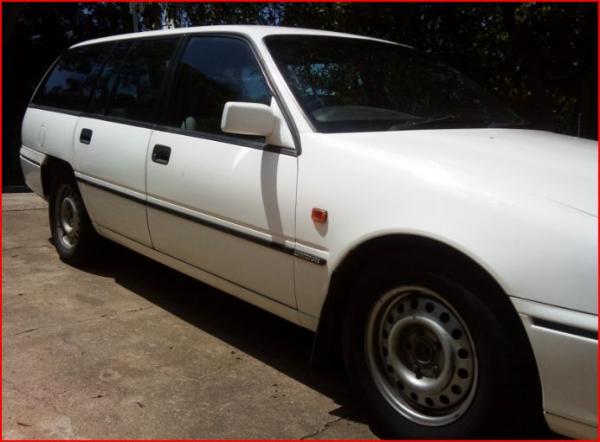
225 138
304 114
287 115
155 125
228 139
46 76
108 59
156 110
162 118
55 109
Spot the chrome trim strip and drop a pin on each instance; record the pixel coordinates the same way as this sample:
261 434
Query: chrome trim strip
35 163
563 328
220 227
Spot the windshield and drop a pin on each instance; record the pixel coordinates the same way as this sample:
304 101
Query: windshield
354 85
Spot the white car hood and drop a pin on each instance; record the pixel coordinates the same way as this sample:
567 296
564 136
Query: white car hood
556 167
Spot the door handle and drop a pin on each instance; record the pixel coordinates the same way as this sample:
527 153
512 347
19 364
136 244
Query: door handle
161 154
86 136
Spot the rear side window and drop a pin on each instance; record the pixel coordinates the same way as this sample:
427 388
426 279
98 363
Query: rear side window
139 79
213 71
70 83
106 80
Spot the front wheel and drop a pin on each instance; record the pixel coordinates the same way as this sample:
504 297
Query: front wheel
430 359
72 232
421 356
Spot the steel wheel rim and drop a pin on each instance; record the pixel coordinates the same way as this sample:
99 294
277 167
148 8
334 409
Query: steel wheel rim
421 356
68 218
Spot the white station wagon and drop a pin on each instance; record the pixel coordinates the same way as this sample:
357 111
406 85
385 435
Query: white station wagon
353 186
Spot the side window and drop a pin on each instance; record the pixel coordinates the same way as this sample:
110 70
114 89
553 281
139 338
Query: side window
106 80
137 85
213 71
72 79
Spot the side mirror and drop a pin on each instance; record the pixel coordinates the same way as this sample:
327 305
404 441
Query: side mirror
247 119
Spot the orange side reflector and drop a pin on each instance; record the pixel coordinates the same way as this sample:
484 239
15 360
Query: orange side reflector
319 215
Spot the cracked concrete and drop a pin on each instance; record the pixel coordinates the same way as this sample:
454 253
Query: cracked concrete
93 318
127 348
326 426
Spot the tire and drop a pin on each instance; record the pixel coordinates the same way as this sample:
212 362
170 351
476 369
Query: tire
72 231
429 358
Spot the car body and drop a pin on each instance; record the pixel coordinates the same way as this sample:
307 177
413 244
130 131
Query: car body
519 204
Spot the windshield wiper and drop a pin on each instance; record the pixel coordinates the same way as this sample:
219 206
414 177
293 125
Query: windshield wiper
423 122
457 119
519 124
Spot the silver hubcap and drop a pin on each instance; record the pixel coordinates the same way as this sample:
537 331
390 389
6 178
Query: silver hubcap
421 356
68 223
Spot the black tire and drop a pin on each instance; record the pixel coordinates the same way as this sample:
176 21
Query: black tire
79 247
505 401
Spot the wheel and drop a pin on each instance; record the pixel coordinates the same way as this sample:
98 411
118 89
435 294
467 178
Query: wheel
72 232
431 359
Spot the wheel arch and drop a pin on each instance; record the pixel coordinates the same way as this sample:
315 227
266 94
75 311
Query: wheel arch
54 169
329 328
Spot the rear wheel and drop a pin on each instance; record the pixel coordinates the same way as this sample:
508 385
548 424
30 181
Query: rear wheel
73 235
430 359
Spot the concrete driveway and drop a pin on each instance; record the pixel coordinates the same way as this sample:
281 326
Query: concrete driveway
128 348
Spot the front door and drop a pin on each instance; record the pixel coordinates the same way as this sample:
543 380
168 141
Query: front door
222 203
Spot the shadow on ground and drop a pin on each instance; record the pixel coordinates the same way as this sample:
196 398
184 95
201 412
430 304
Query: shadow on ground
280 344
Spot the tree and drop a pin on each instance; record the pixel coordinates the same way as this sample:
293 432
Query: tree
540 58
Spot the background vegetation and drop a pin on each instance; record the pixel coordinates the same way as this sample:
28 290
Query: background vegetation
541 58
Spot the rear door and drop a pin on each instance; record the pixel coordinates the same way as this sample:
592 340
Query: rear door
62 95
111 140
222 203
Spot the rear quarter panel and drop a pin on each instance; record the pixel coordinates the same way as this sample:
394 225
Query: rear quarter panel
49 132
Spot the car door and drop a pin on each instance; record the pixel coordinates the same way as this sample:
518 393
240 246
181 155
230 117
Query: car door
222 203
111 139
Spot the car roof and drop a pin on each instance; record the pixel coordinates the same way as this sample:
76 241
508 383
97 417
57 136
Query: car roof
255 32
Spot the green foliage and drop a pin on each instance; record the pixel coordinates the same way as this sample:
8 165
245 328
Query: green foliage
541 58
